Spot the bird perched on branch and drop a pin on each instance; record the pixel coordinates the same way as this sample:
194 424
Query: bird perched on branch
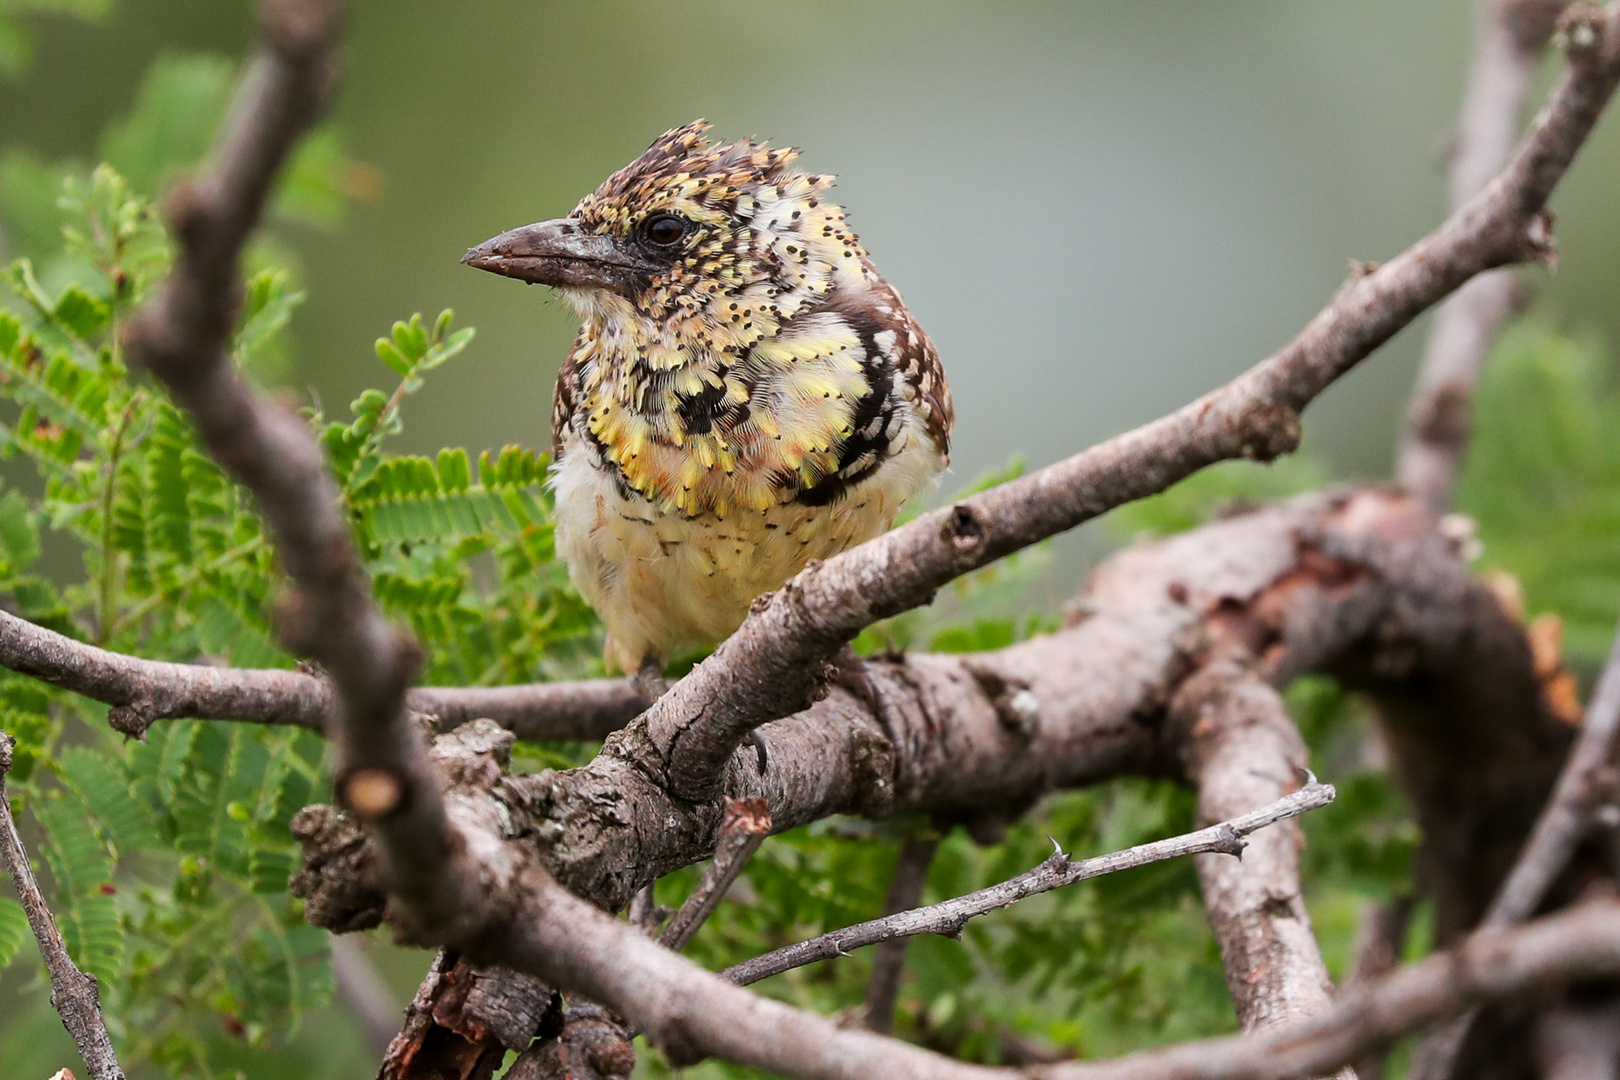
746 392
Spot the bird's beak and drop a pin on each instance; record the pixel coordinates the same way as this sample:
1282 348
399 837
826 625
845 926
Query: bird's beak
559 252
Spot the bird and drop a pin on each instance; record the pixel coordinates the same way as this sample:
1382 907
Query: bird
746 392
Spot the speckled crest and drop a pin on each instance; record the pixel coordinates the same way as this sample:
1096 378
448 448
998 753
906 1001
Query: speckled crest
683 172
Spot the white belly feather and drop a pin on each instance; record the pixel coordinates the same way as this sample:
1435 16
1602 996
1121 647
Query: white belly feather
662 582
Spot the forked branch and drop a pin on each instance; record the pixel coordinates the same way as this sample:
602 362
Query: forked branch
770 667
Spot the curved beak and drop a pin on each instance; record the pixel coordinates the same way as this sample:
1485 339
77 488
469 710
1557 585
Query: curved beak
559 252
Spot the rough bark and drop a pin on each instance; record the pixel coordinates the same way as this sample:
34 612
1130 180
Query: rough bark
1242 750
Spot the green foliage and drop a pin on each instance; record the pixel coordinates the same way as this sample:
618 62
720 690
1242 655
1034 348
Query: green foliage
167 861
13 929
16 41
1542 480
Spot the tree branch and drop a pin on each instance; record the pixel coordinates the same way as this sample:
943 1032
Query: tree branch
383 771
1510 36
949 916
689 1012
771 666
458 875
360 987
1359 584
1586 783
1492 965
143 692
889 958
746 825
73 993
1240 748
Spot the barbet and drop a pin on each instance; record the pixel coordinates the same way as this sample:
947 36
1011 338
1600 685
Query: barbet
746 392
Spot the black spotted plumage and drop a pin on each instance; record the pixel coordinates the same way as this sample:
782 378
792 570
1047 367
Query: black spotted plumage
746 393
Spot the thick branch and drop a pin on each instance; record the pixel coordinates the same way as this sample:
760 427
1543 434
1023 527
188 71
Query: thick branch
1241 749
1359 584
948 917
770 667
1586 783
73 993
1509 38
889 958
145 691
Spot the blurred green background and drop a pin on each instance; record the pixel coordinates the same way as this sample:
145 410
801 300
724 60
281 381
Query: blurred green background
1098 210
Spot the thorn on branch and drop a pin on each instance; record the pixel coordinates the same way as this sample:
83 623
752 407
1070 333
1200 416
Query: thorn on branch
1229 841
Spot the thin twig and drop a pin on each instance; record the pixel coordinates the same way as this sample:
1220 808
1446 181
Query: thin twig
746 825
73 993
949 916
143 692
773 664
643 911
1509 38
688 1011
889 958
360 987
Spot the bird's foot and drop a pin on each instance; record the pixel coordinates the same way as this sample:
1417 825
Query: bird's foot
649 680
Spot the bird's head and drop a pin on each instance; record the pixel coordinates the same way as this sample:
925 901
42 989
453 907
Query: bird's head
695 245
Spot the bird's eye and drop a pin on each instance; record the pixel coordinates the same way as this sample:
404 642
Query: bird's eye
666 229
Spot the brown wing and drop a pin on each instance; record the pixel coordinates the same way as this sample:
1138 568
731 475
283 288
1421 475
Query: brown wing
913 358
925 375
900 366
